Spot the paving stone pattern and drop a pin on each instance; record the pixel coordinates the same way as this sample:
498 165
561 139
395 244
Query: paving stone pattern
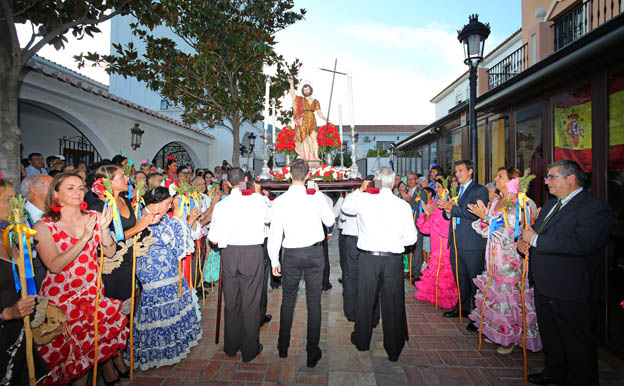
439 352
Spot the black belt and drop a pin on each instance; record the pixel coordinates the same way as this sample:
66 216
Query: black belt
377 253
320 243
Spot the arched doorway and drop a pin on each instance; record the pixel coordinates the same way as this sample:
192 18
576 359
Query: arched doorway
42 124
174 149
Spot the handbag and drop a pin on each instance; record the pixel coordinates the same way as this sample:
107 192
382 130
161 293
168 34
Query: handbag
48 321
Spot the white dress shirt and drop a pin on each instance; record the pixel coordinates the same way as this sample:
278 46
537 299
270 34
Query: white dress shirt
298 218
34 212
349 221
385 221
239 220
267 225
337 211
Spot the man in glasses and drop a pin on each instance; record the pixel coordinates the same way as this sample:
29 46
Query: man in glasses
567 242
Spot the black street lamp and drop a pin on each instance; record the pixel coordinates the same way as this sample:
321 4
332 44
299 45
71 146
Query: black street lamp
473 36
137 135
252 142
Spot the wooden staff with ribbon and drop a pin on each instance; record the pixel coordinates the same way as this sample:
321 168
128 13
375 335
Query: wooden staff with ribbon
138 204
26 284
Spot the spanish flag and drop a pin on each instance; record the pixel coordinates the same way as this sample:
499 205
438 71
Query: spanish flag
573 127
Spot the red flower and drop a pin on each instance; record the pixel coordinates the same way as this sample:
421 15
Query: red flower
98 187
326 175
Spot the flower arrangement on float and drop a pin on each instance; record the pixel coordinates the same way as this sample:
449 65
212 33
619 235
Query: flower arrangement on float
282 175
326 173
328 138
285 142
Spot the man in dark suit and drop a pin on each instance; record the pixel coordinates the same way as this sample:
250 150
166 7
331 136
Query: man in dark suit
567 243
414 196
470 245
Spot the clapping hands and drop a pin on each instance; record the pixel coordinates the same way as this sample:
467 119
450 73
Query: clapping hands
479 209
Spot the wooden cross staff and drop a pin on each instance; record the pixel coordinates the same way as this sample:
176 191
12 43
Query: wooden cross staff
331 94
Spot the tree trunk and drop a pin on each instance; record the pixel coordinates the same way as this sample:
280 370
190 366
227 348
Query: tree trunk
9 128
235 142
10 68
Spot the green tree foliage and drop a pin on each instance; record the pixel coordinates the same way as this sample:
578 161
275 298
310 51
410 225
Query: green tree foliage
216 74
50 21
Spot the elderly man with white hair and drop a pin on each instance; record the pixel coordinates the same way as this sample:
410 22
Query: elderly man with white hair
35 189
385 227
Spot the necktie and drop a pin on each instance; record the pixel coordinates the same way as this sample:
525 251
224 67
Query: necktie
461 191
547 219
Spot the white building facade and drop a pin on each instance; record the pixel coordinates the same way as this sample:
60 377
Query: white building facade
63 112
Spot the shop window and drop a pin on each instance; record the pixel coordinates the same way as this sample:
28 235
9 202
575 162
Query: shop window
453 150
481 129
529 146
498 145
615 198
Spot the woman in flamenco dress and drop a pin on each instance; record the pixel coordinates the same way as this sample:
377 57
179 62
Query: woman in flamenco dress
438 277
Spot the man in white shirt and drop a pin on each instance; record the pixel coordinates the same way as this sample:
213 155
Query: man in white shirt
385 228
297 227
238 228
35 189
36 165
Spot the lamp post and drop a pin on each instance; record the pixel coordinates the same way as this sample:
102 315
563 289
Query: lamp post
472 37
137 135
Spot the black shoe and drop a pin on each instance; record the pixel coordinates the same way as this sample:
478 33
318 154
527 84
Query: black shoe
393 358
355 343
454 313
283 353
340 280
327 287
472 327
253 357
267 318
541 379
314 358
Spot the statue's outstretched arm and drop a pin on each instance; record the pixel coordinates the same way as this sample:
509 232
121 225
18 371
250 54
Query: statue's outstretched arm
292 90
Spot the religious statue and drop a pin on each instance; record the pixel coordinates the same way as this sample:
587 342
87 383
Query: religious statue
306 130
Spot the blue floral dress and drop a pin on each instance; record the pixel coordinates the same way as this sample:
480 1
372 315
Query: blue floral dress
166 325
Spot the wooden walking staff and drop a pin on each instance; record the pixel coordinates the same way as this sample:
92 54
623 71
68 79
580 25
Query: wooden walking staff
95 315
21 267
140 190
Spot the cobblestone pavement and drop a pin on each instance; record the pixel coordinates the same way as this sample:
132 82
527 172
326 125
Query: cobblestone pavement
439 352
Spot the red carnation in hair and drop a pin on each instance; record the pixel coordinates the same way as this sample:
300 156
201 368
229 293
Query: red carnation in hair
98 187
171 158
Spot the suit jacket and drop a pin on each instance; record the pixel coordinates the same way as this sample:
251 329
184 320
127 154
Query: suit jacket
566 262
467 238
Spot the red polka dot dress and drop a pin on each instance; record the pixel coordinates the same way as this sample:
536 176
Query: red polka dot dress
70 355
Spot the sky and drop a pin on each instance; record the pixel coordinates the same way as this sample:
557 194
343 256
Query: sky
400 53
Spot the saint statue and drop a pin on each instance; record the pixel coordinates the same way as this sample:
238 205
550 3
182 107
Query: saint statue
306 130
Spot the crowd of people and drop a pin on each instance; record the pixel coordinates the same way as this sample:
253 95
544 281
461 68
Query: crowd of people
78 219
473 261
462 245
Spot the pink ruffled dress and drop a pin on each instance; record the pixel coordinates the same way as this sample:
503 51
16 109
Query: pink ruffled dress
438 229
502 315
